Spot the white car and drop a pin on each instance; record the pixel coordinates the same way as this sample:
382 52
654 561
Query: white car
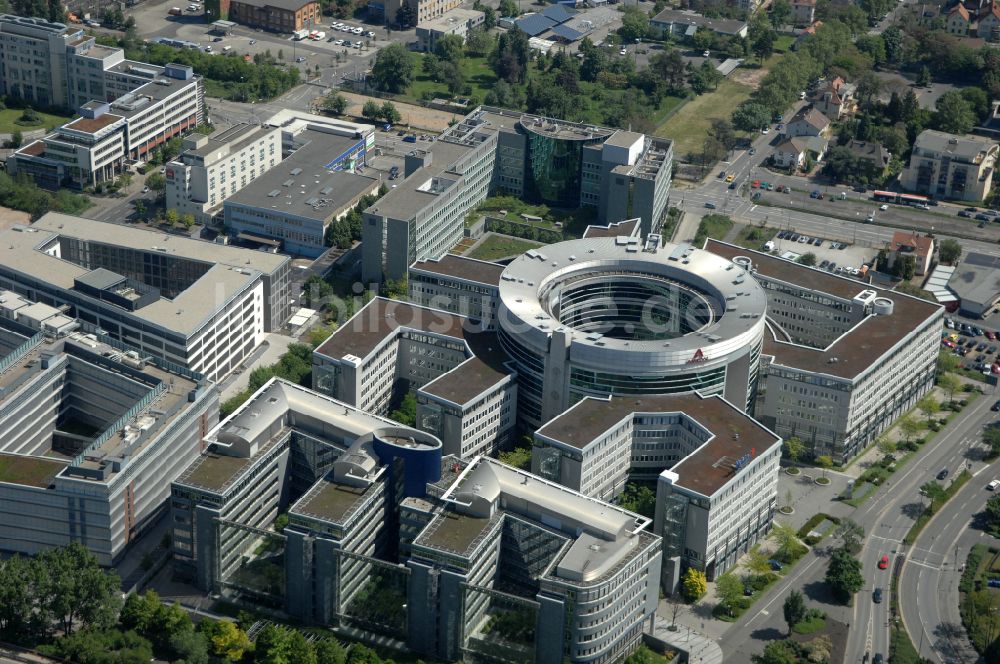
338 42
358 31
883 207
371 35
765 130
624 51
706 54
993 485
358 44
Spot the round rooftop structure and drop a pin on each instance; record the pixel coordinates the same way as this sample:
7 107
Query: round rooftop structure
605 316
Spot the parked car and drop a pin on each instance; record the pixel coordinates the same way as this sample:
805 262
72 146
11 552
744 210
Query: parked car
823 264
995 407
966 214
755 184
775 564
983 217
815 194
818 242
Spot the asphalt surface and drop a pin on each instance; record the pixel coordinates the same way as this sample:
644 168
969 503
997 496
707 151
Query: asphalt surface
928 584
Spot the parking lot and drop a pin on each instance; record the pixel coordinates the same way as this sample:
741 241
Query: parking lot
977 346
835 257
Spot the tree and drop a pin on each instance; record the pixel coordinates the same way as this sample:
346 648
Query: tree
330 651
781 11
793 448
451 75
389 113
489 19
450 48
929 406
778 652
393 69
844 575
511 55
950 384
479 42
751 116
722 131
794 609
705 78
763 45
635 24
729 590
189 646
156 182
406 16
335 103
910 426
787 540
947 362
228 641
934 493
78 590
991 436
808 259
280 645
694 585
639 498
407 411
371 110
953 113
851 533
139 612
756 561
993 512
508 8
949 251
924 77
825 462
886 446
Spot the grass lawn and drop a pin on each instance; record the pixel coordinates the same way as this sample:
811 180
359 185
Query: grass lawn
501 246
754 237
8 121
477 73
713 226
810 625
783 43
689 126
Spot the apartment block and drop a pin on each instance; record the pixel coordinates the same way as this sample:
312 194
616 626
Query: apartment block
92 432
949 166
33 59
212 168
197 304
458 285
457 21
715 467
465 396
834 353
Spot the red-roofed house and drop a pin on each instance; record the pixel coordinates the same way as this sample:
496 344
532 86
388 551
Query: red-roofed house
959 20
989 24
906 243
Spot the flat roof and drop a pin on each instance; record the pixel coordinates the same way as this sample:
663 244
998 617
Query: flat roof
215 471
857 350
469 269
977 278
329 501
231 269
29 470
287 5
453 531
627 228
407 198
156 90
236 138
93 125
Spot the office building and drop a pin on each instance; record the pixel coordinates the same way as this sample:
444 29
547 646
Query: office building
601 316
715 467
424 10
86 152
949 166
292 205
622 174
459 285
212 168
92 433
457 21
285 16
200 305
465 395
834 354
33 59
388 538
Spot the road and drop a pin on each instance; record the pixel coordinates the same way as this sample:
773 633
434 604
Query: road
929 579
886 518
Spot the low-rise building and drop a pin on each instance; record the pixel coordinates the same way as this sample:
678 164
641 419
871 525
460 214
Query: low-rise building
285 16
423 10
213 168
292 205
457 21
465 395
959 21
803 12
684 22
835 99
988 27
912 244
92 433
197 304
716 470
976 282
949 166
791 153
807 122
834 352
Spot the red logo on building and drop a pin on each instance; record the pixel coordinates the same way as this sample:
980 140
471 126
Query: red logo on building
698 356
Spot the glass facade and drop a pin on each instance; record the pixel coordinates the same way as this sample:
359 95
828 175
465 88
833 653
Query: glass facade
554 166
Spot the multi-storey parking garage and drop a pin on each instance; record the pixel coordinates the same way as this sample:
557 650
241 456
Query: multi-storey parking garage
605 316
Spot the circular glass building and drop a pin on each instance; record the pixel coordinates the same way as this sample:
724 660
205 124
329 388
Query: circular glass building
605 316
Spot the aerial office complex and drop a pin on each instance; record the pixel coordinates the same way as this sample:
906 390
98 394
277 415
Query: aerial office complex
835 350
387 536
622 174
129 108
92 433
200 305
716 470
465 395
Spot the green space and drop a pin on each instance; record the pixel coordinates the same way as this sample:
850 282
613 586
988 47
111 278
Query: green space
499 246
819 522
754 237
814 621
11 122
937 501
783 43
27 470
689 126
979 602
713 226
568 222
476 70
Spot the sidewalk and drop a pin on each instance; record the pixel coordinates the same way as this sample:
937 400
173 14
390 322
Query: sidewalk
686 228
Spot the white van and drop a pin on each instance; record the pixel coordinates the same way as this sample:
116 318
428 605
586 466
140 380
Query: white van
226 49
993 485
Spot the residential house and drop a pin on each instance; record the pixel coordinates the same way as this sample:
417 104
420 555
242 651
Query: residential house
807 122
872 153
803 11
791 153
959 21
835 99
909 243
949 166
989 24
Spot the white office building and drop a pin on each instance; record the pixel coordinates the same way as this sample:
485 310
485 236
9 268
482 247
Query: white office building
213 168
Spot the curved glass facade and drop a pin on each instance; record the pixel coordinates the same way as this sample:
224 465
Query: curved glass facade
554 166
